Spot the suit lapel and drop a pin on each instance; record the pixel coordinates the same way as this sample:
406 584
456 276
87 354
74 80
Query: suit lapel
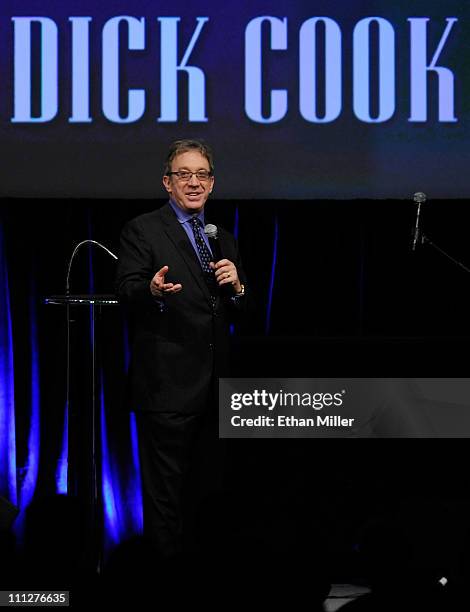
180 239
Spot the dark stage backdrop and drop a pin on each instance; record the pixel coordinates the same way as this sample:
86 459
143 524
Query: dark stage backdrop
351 99
338 293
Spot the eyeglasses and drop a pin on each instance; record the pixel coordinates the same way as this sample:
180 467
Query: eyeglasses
185 175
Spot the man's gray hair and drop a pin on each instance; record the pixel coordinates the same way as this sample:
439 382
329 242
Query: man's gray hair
183 146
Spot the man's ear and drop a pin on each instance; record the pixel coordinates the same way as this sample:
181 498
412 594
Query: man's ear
167 183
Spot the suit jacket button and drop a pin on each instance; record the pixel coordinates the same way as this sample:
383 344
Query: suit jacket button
211 346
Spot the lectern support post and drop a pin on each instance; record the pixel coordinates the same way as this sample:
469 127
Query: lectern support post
83 387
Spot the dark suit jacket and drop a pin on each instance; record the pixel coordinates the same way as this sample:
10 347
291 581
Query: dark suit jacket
178 351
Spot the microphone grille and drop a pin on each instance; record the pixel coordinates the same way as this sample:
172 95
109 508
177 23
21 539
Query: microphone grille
419 197
210 230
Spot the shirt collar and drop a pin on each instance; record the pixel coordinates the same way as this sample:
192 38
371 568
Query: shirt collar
184 216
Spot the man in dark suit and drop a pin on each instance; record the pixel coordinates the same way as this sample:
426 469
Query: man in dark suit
182 304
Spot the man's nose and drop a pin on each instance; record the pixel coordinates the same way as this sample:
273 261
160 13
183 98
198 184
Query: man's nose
193 180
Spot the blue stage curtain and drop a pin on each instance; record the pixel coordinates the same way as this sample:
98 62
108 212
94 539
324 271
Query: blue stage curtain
34 417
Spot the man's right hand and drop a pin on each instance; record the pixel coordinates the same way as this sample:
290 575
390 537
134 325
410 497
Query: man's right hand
159 288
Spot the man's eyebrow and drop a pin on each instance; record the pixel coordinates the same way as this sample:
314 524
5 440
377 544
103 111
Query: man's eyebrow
186 168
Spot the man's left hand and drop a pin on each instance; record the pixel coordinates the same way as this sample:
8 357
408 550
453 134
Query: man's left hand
225 273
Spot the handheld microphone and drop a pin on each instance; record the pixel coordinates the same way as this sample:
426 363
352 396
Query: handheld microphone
211 232
419 198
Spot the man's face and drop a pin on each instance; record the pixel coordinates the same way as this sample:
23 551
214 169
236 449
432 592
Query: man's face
190 195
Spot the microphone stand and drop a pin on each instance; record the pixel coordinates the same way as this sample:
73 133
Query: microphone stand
421 238
425 240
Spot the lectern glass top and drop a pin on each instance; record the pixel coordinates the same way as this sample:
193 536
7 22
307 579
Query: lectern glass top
83 299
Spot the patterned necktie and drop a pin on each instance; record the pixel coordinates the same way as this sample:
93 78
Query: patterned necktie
205 257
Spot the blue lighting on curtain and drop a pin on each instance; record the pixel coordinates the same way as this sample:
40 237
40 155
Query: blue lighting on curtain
7 402
273 274
135 487
111 499
31 468
28 486
109 485
61 474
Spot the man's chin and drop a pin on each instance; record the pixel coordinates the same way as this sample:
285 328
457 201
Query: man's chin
194 205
